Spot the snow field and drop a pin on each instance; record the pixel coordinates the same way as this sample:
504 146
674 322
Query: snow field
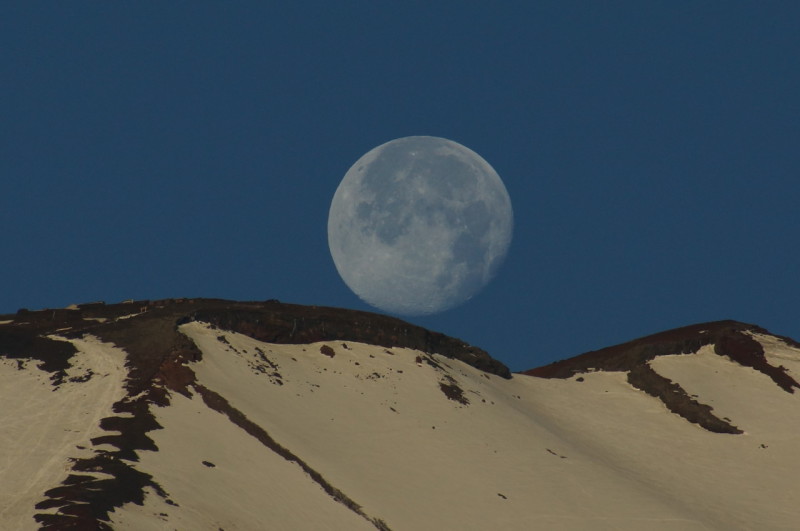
44 428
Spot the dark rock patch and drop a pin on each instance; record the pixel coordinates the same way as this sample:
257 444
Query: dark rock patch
82 378
328 351
677 400
729 338
27 341
745 350
156 357
452 391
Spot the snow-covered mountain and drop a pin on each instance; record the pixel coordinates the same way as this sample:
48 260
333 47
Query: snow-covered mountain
209 414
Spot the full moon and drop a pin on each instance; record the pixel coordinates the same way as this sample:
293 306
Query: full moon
419 225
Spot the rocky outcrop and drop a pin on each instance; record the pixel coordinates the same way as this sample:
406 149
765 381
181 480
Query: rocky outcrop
729 338
270 321
677 400
277 322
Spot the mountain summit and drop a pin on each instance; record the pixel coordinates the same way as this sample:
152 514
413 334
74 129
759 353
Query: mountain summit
209 414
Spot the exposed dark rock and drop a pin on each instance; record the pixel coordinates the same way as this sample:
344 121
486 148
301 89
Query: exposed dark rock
156 353
328 351
675 398
746 351
276 322
27 342
451 390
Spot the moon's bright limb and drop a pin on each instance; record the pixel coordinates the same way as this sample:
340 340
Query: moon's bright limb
419 225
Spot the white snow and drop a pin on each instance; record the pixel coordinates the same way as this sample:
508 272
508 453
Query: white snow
127 316
248 487
526 453
378 427
44 427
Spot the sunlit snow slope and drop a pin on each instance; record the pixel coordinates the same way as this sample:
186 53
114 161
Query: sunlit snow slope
209 428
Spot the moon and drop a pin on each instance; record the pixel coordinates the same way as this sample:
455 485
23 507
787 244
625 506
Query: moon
419 225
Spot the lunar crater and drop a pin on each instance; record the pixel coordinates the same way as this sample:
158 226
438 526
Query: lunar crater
419 225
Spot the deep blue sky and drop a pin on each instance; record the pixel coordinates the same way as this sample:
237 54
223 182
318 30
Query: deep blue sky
191 149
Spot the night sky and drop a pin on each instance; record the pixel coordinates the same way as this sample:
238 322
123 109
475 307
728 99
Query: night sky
191 149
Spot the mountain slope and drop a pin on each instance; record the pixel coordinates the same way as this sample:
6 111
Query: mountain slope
220 415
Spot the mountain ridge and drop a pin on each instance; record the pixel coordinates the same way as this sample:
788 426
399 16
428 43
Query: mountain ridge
363 416
158 353
269 320
731 339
